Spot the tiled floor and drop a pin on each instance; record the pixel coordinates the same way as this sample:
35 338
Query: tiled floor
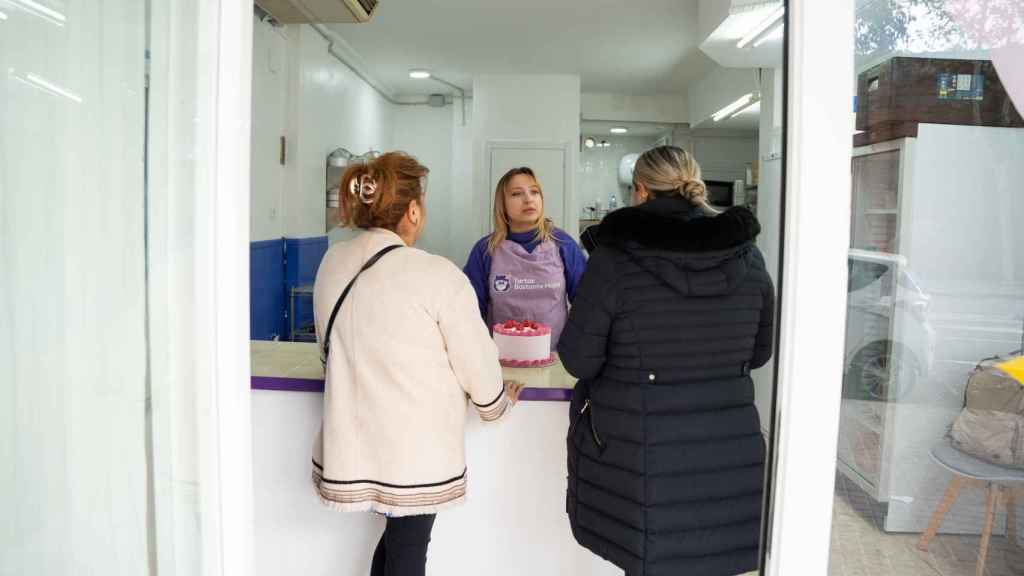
861 548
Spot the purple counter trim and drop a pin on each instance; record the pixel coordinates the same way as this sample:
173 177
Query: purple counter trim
546 394
312 385
287 384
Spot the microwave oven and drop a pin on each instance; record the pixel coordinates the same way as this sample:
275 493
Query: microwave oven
725 194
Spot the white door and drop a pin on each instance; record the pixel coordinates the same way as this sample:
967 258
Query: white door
548 163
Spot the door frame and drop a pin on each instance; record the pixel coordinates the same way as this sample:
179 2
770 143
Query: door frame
569 197
812 284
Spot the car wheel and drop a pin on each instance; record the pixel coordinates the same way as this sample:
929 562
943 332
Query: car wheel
884 371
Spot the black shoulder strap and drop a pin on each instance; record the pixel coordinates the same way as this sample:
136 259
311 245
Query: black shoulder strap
326 350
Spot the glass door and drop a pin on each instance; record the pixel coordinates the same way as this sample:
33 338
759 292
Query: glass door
73 355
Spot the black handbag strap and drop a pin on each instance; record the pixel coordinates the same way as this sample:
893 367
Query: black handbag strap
326 350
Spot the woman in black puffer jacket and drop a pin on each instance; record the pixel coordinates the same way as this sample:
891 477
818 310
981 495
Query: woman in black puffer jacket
666 455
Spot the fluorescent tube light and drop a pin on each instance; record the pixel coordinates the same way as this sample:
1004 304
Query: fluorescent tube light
47 86
739 105
775 16
775 33
42 11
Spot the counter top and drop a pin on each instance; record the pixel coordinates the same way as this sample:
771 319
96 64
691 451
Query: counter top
295 367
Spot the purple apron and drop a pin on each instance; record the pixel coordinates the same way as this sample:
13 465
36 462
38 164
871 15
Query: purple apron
528 286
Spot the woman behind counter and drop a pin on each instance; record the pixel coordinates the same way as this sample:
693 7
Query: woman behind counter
404 351
526 269
666 457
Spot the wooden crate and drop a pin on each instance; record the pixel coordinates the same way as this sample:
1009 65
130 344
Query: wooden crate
934 91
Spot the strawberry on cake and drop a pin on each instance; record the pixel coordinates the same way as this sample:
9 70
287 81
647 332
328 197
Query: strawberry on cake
523 344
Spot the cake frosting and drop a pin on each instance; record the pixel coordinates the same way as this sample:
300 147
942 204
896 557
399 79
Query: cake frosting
523 343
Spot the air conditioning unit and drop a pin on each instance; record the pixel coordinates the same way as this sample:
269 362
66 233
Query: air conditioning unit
319 11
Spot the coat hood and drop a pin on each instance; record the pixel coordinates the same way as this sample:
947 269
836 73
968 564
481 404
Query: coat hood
695 253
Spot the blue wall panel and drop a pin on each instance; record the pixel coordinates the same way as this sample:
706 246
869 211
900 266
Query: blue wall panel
267 290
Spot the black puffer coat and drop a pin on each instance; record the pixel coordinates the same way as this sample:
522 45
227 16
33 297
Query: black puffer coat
666 456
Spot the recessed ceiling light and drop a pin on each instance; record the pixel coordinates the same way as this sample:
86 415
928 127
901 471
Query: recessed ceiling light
419 74
618 130
589 142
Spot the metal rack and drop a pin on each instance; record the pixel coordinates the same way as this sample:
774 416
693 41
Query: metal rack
303 333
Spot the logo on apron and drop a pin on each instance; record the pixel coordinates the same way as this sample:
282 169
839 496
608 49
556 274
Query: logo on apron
502 283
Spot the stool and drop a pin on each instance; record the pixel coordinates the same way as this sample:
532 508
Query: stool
1000 483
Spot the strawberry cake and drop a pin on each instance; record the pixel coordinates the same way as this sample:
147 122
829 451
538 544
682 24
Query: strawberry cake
523 344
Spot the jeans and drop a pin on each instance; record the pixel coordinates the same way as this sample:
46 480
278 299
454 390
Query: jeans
402 550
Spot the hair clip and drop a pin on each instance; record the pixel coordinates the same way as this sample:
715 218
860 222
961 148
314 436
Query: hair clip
365 187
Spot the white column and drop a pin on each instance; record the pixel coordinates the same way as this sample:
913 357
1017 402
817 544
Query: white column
199 285
817 223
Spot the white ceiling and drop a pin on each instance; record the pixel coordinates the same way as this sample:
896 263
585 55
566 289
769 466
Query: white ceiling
721 44
639 48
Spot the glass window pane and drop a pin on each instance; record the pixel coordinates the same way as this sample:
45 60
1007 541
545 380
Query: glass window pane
73 413
930 452
589 89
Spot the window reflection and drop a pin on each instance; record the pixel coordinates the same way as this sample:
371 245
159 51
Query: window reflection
936 285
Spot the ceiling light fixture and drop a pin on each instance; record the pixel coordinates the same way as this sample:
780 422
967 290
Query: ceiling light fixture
774 33
42 11
618 130
3 16
47 86
774 17
419 74
589 142
736 107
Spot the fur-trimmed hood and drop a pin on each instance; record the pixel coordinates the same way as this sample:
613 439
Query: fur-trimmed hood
697 254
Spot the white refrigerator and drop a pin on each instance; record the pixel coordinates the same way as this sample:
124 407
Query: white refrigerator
936 284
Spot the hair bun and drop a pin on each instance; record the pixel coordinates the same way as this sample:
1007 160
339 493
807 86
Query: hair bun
694 191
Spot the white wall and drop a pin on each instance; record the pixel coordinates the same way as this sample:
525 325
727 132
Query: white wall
543 108
668 108
329 107
270 121
719 88
599 171
463 233
301 91
72 292
427 134
513 522
723 155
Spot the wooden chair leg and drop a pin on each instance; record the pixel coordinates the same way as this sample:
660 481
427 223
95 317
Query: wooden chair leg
991 499
1011 514
952 491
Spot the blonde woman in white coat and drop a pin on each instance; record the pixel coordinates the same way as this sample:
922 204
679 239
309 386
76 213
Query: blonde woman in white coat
405 354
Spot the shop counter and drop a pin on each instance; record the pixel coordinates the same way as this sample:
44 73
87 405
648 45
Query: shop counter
512 523
295 367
